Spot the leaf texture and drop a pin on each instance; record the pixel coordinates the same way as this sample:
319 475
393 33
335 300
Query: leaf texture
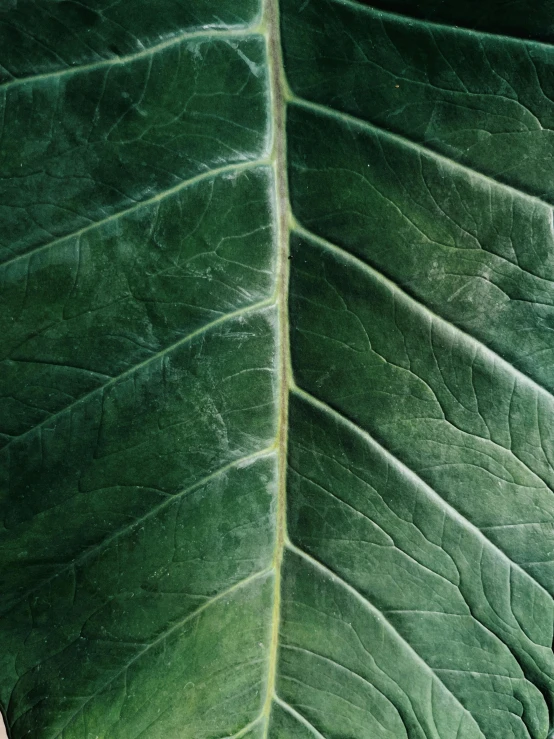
277 386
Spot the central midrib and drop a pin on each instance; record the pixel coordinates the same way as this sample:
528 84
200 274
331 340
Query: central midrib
279 96
277 102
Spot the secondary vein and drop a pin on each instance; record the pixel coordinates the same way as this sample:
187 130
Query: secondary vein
416 479
298 716
245 32
453 164
477 344
210 174
261 305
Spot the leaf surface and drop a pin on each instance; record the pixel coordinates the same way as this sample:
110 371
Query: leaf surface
277 386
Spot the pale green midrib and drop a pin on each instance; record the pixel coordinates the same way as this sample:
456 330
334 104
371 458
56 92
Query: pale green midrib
409 20
259 306
243 32
298 716
379 615
452 164
164 635
277 102
415 304
162 195
431 494
169 501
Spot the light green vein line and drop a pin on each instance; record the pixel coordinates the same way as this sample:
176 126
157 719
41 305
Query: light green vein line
220 596
298 716
169 501
475 343
117 61
401 712
404 141
246 729
316 564
212 173
404 19
261 305
540 666
415 479
342 668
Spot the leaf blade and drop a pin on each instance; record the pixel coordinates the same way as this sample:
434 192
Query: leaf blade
154 585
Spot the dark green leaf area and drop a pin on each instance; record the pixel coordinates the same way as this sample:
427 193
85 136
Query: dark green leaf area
213 395
81 313
400 374
519 18
219 650
98 141
420 484
448 402
41 36
144 545
391 370
403 599
477 253
485 101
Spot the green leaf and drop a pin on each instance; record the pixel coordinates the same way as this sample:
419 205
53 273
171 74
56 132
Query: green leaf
277 371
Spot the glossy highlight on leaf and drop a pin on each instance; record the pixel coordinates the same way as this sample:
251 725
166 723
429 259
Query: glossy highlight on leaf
277 386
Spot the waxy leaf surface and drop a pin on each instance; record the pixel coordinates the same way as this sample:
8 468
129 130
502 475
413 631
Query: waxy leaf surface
277 369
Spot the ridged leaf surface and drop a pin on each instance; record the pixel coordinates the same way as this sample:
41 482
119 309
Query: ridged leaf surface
277 369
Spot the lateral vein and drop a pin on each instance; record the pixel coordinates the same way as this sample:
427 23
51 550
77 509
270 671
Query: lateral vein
476 343
261 305
298 716
87 554
410 474
315 563
212 173
246 32
348 119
